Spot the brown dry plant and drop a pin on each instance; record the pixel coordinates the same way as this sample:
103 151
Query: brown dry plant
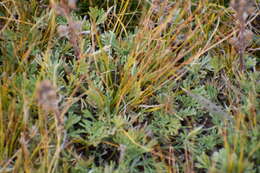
48 100
73 28
243 9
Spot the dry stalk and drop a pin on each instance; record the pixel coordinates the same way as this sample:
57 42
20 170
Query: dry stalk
243 9
48 100
73 29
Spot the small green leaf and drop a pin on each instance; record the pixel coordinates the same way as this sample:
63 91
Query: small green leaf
72 119
95 98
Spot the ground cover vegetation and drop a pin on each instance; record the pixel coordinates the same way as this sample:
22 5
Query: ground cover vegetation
129 86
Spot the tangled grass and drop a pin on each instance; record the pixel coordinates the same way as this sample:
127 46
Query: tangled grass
129 86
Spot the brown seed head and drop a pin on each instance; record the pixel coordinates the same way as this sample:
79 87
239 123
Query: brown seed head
72 4
46 96
243 9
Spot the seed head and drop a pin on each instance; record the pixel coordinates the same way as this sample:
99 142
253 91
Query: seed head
72 4
243 9
47 96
